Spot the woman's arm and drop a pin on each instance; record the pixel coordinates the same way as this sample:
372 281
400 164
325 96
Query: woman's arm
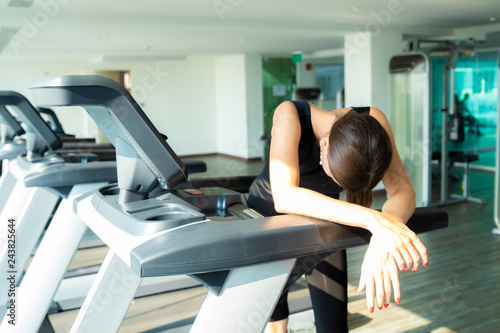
401 201
378 270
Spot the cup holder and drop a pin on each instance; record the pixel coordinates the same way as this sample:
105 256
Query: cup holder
110 190
171 212
170 216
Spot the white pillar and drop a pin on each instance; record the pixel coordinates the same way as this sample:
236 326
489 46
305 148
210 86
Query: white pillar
366 61
238 81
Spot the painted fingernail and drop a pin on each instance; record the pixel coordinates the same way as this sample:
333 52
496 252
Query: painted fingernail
371 309
414 271
426 264
380 308
386 305
398 300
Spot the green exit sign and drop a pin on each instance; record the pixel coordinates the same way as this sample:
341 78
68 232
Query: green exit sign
296 57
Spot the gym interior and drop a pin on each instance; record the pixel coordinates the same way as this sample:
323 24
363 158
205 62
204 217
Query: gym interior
190 89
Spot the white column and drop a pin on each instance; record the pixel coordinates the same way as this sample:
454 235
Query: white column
366 61
238 81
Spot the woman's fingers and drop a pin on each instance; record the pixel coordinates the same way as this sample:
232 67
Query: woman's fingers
370 295
421 249
415 258
395 281
379 286
416 250
407 257
362 282
387 289
396 253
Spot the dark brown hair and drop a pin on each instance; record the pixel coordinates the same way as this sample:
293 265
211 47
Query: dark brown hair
359 155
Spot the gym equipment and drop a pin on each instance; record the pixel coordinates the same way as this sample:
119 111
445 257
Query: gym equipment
496 231
43 181
313 95
340 98
167 232
61 176
11 146
55 124
411 105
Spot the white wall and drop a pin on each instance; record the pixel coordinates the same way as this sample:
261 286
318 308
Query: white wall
305 78
179 97
19 75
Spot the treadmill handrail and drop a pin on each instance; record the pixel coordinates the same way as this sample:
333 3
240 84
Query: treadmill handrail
30 115
120 118
14 127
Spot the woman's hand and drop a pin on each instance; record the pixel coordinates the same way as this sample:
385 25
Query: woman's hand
378 271
402 243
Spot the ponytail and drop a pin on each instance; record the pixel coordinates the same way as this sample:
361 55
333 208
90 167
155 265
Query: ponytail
362 198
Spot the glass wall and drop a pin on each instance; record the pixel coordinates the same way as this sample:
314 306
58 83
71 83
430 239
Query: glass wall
278 79
476 93
476 98
330 79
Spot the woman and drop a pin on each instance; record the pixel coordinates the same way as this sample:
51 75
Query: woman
314 155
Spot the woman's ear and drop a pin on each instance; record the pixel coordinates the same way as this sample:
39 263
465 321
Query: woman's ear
324 143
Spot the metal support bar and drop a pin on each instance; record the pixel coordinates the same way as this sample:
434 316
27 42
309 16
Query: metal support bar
109 297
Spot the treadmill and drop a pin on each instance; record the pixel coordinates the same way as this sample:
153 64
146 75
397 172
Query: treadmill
11 146
44 183
152 229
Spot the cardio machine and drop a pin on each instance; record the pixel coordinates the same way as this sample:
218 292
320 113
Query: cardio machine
59 176
11 146
44 184
154 230
496 203
411 101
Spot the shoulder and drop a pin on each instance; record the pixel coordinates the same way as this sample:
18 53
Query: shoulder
286 121
379 115
382 119
285 110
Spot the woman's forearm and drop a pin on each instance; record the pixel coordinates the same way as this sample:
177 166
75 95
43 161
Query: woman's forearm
400 205
301 201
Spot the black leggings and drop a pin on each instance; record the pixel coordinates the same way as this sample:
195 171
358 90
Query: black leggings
327 284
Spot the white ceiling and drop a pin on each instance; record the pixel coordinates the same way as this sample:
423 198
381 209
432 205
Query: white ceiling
131 29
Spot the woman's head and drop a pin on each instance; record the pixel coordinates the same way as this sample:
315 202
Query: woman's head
359 154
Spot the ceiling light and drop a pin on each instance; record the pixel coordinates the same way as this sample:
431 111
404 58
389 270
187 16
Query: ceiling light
20 3
355 8
103 37
492 19
146 47
242 40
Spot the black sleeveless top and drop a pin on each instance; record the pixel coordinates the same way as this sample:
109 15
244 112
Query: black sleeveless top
312 175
